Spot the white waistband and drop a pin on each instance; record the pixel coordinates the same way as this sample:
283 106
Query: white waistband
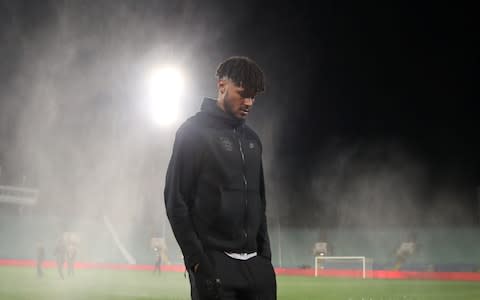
241 256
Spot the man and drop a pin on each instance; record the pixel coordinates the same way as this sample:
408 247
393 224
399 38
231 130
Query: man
405 250
71 256
60 252
158 261
215 193
40 259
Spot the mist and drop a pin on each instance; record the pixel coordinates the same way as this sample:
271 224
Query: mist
375 183
75 104
73 124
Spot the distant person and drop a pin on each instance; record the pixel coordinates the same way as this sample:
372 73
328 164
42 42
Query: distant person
215 192
405 250
158 261
40 259
71 256
60 252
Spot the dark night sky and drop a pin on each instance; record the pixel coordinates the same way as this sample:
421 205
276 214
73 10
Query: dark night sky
377 72
360 82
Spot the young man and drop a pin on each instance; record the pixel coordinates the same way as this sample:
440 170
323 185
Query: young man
215 193
60 252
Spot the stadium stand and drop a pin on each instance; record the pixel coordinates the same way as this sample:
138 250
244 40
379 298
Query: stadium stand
439 248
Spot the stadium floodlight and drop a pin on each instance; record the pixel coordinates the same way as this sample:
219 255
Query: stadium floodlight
165 90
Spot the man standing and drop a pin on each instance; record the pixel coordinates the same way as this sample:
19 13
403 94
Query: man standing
60 252
71 256
215 193
40 259
157 268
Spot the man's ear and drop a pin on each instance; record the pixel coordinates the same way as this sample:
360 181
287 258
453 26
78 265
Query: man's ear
221 86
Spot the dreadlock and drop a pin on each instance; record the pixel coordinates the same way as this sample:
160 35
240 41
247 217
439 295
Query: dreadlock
243 72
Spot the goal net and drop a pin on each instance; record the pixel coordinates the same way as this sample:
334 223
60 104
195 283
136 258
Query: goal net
343 266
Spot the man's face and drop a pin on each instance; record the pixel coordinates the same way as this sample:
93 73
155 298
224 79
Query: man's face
233 99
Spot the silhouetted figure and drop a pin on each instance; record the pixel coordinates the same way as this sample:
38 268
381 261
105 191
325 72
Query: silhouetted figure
158 261
405 250
60 252
71 255
40 259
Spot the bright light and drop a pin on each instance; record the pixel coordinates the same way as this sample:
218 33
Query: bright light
166 86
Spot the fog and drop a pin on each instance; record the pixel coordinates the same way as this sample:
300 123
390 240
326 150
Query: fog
76 102
374 183
73 124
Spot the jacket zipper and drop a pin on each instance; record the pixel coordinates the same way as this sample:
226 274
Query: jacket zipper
245 183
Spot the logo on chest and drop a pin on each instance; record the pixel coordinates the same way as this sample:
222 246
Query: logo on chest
226 143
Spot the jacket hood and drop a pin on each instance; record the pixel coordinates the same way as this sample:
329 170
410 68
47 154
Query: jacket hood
210 107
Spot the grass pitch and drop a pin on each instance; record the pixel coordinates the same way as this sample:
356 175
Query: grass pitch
21 283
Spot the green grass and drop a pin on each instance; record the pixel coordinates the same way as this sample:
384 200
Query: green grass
21 283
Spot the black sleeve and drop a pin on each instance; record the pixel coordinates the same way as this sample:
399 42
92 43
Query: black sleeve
263 241
182 173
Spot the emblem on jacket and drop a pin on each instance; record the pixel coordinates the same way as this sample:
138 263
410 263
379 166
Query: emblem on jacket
251 145
226 143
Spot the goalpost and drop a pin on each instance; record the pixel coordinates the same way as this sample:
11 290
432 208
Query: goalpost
360 259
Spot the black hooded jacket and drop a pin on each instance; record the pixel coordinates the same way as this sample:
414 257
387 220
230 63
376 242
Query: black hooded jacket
214 190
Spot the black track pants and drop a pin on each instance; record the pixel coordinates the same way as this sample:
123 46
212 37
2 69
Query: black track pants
252 279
